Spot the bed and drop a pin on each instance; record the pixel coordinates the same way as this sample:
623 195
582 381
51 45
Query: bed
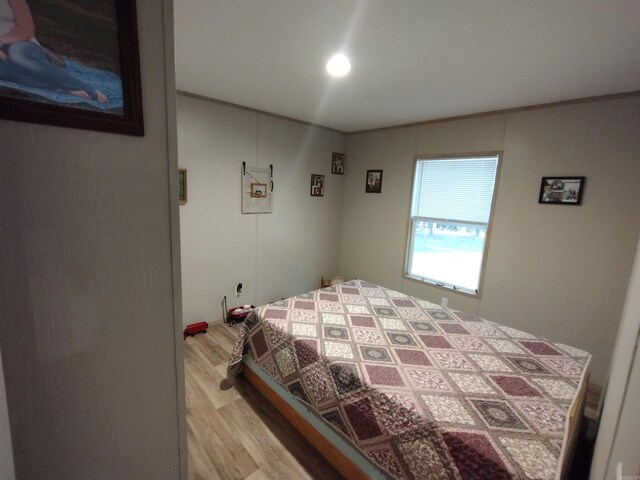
416 390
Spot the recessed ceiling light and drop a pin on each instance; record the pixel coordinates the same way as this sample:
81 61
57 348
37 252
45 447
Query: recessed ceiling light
338 65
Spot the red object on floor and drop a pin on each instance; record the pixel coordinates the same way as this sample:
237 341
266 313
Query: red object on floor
236 315
191 330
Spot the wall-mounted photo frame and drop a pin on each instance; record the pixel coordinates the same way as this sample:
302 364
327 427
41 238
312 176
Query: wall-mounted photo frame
182 185
82 72
259 190
561 190
317 185
337 163
374 181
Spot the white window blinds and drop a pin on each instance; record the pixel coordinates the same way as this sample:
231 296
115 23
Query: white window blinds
454 189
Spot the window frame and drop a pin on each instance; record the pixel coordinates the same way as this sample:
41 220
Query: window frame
411 222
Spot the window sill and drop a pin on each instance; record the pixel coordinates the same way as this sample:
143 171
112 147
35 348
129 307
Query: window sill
440 286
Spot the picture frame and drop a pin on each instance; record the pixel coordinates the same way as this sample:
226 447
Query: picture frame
337 163
561 190
97 54
317 185
259 190
182 186
374 181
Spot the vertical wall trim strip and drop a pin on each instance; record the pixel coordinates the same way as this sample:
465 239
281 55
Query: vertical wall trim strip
174 225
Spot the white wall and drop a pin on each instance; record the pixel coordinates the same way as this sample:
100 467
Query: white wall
273 255
624 452
7 472
557 271
88 306
617 439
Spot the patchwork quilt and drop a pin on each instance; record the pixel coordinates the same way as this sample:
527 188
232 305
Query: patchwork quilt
423 391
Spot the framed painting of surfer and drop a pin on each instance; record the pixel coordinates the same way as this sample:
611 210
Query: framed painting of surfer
71 63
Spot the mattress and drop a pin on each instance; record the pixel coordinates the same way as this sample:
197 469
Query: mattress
421 391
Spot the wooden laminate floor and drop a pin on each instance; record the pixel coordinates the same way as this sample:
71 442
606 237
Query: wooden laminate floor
232 432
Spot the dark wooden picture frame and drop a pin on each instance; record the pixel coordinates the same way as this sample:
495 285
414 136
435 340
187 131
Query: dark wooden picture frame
182 185
19 102
561 190
317 185
374 181
337 163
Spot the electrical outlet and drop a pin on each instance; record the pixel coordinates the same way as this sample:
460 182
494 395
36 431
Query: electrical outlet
238 290
444 302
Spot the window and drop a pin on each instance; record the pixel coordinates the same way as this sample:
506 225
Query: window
451 208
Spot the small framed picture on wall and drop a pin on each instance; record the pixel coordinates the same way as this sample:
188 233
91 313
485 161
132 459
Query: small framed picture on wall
561 190
337 163
374 181
317 185
182 185
258 190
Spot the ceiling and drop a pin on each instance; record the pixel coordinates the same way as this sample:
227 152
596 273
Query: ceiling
412 60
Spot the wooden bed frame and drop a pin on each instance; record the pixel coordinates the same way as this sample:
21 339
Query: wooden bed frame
334 456
349 470
575 420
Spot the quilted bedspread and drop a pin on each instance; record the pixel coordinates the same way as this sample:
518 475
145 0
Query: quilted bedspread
424 392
